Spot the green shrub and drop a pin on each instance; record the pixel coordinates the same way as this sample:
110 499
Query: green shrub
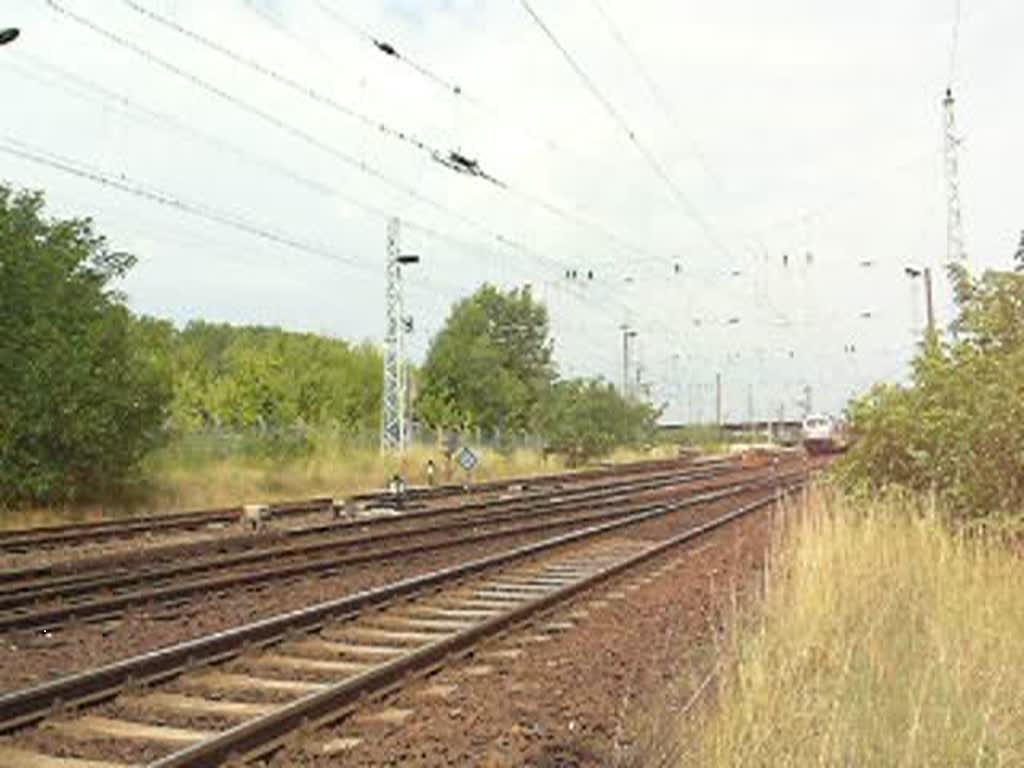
587 419
958 428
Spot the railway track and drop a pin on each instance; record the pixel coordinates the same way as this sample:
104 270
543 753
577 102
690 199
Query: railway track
21 541
364 512
424 494
412 520
240 693
343 523
49 603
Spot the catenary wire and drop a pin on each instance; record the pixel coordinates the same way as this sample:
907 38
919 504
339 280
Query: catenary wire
656 93
553 208
571 216
200 210
621 122
361 165
304 136
688 207
172 123
503 118
286 81
308 138
381 45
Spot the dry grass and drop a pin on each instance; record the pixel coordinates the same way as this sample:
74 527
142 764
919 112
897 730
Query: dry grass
332 471
883 640
323 473
183 477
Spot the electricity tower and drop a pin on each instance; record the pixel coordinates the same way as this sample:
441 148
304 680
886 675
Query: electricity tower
955 248
394 428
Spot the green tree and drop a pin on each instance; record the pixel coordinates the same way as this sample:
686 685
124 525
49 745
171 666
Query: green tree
82 396
245 377
958 428
587 418
490 365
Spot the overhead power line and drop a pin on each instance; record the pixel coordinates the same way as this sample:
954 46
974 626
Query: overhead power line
573 216
306 137
617 117
316 96
586 223
384 47
85 88
659 97
303 89
296 132
687 205
199 210
82 87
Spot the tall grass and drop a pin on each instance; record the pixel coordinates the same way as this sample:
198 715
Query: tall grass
206 470
181 479
883 640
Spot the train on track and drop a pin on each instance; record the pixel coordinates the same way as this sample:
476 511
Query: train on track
823 434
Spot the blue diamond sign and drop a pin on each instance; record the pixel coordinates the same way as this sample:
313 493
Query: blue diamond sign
467 459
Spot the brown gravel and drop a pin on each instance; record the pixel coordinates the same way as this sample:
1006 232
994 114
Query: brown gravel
564 702
587 697
100 748
28 658
278 553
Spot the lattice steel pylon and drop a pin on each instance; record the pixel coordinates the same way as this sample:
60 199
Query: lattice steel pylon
393 432
955 246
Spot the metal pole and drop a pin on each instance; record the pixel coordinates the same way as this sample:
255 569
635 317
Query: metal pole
929 301
625 361
627 334
392 405
718 399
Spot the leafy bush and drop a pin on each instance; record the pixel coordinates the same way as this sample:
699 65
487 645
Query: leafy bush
587 418
958 429
82 396
246 378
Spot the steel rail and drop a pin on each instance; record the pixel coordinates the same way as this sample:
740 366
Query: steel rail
455 489
115 604
74 572
521 500
175 550
63 533
25 593
257 736
79 532
28 705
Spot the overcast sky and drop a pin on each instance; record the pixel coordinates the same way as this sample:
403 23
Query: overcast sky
798 128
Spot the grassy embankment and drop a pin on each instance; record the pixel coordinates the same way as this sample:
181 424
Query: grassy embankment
197 474
181 480
883 640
